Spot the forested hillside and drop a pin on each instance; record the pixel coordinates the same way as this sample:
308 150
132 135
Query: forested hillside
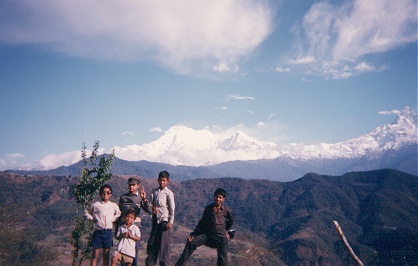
277 223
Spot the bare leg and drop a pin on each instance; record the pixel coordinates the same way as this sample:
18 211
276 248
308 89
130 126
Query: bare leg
96 253
106 252
115 259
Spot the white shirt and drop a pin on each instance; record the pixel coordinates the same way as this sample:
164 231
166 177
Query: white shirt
127 245
163 201
104 214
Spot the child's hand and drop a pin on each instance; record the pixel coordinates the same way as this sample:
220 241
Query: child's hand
126 234
169 225
143 194
154 209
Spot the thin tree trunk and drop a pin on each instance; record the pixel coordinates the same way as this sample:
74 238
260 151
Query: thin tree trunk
353 255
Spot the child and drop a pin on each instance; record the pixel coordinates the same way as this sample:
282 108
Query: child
132 201
104 213
162 208
128 234
213 230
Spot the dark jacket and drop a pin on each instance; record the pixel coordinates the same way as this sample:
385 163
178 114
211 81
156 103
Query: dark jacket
215 224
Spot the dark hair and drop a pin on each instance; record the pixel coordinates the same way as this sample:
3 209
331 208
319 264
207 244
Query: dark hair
220 191
164 174
105 186
130 211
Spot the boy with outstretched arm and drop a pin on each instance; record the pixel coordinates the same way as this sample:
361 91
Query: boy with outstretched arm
162 208
213 230
128 234
132 201
104 213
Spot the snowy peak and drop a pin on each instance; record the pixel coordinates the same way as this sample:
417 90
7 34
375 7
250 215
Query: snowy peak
240 140
402 130
389 136
181 137
181 145
406 119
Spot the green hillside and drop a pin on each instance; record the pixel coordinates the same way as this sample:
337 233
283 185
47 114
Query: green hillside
278 223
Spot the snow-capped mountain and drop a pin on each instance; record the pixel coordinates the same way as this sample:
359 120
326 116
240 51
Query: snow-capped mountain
386 137
181 145
237 154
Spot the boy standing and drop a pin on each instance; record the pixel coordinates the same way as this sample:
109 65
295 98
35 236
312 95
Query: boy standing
132 201
104 213
128 234
212 230
162 208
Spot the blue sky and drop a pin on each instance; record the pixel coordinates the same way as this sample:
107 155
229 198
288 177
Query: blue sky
123 72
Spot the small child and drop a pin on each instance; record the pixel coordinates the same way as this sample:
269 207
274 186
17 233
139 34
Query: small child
128 234
162 208
132 200
104 213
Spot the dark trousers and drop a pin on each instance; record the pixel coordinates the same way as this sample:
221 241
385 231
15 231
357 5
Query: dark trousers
220 243
158 244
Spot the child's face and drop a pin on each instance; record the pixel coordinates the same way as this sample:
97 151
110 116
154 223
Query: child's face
105 194
163 182
133 188
218 199
129 219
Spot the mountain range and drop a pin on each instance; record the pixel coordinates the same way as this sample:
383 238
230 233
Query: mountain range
278 223
192 154
185 146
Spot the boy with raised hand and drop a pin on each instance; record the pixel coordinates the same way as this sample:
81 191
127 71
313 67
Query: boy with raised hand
213 230
128 235
162 207
132 201
104 213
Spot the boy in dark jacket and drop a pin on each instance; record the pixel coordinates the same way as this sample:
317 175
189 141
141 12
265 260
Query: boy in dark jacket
212 230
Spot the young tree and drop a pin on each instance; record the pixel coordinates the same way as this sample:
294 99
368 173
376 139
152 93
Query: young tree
93 176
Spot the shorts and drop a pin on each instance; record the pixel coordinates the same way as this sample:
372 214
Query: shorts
102 238
124 258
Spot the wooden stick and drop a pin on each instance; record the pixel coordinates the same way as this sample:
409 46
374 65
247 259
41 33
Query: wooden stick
353 255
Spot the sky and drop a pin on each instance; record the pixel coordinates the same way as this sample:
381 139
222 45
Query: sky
124 72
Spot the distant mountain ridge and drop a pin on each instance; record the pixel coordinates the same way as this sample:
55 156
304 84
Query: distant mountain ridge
186 146
392 146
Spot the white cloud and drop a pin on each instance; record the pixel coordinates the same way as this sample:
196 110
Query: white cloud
52 161
250 112
393 112
183 35
223 67
237 97
302 60
129 133
11 160
222 108
261 124
282 69
334 40
271 116
368 27
155 129
14 156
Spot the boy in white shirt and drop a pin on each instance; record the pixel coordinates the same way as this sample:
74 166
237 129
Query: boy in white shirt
162 208
104 213
128 233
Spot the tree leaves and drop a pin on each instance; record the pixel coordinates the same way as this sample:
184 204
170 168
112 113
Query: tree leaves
93 176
